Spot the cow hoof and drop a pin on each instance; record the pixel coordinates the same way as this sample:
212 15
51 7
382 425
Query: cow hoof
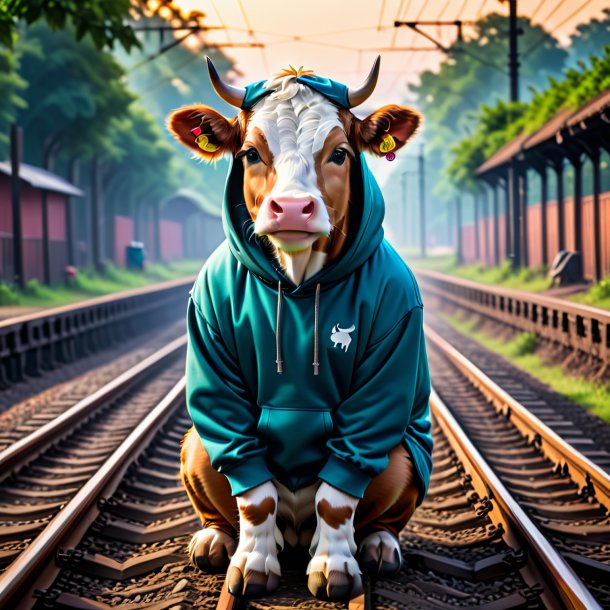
379 554
211 549
337 585
254 584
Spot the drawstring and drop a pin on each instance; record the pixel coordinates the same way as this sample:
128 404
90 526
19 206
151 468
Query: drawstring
316 311
278 343
278 346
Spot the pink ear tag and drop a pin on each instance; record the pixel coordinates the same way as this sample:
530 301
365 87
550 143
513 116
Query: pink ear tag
390 156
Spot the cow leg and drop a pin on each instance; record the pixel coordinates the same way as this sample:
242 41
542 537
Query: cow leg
254 569
385 509
210 494
333 571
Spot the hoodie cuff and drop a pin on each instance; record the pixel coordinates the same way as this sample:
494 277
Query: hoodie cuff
247 474
345 476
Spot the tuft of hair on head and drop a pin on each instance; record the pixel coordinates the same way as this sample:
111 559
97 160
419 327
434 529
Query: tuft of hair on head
295 72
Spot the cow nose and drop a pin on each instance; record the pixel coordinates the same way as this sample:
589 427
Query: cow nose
292 207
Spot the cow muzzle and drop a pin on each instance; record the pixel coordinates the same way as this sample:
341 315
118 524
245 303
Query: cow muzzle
292 222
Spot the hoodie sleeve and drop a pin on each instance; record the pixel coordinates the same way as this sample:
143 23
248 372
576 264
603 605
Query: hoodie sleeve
388 404
220 407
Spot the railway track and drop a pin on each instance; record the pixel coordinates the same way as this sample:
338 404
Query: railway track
579 328
519 521
469 544
24 416
564 492
33 344
44 470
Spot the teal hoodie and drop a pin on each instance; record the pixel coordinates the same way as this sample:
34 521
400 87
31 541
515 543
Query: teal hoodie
359 318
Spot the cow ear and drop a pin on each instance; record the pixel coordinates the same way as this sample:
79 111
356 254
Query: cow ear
205 131
399 122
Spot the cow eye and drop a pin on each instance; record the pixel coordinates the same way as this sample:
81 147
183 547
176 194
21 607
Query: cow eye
252 156
338 156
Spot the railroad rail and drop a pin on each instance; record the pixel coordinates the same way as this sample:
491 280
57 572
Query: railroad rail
81 510
563 491
31 343
515 517
574 326
43 471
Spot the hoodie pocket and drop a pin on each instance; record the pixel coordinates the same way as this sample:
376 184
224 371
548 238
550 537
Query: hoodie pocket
295 437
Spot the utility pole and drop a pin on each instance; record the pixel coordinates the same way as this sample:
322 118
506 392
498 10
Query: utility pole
514 171
513 51
16 142
422 203
96 257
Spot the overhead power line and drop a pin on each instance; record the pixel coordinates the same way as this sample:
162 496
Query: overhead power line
560 24
555 9
533 15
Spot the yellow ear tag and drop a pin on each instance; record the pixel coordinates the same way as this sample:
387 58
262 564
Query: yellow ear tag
203 143
387 144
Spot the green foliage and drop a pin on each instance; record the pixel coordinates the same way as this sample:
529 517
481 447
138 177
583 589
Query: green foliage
597 296
498 125
73 94
102 20
8 296
141 167
592 395
11 86
88 284
525 343
451 97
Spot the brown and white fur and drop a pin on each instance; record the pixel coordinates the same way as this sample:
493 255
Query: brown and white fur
297 191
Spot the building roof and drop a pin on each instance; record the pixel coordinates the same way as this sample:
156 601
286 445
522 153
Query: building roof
566 118
42 179
197 199
504 155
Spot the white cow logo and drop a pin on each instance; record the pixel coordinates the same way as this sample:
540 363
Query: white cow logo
341 336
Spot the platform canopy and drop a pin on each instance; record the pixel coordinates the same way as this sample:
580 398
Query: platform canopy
566 123
42 179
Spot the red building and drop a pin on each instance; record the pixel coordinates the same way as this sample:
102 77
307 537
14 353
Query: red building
45 245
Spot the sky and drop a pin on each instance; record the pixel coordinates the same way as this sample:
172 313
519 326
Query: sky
341 39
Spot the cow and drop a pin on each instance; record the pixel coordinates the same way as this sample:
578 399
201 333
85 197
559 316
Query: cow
331 455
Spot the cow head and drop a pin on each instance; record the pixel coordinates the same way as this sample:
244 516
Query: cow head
297 148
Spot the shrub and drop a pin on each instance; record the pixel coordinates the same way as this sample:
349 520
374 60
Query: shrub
7 296
525 343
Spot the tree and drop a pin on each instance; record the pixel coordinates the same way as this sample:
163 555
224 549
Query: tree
498 125
74 92
12 86
475 74
173 79
103 20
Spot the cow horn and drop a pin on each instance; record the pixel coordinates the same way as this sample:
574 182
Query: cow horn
229 93
355 97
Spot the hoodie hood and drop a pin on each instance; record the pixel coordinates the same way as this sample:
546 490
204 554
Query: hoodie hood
367 232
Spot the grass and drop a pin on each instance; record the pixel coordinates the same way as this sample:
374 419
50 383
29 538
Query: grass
88 284
520 351
597 296
533 280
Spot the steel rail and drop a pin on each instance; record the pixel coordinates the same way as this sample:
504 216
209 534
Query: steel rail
31 343
26 449
80 512
572 592
114 298
575 326
579 468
